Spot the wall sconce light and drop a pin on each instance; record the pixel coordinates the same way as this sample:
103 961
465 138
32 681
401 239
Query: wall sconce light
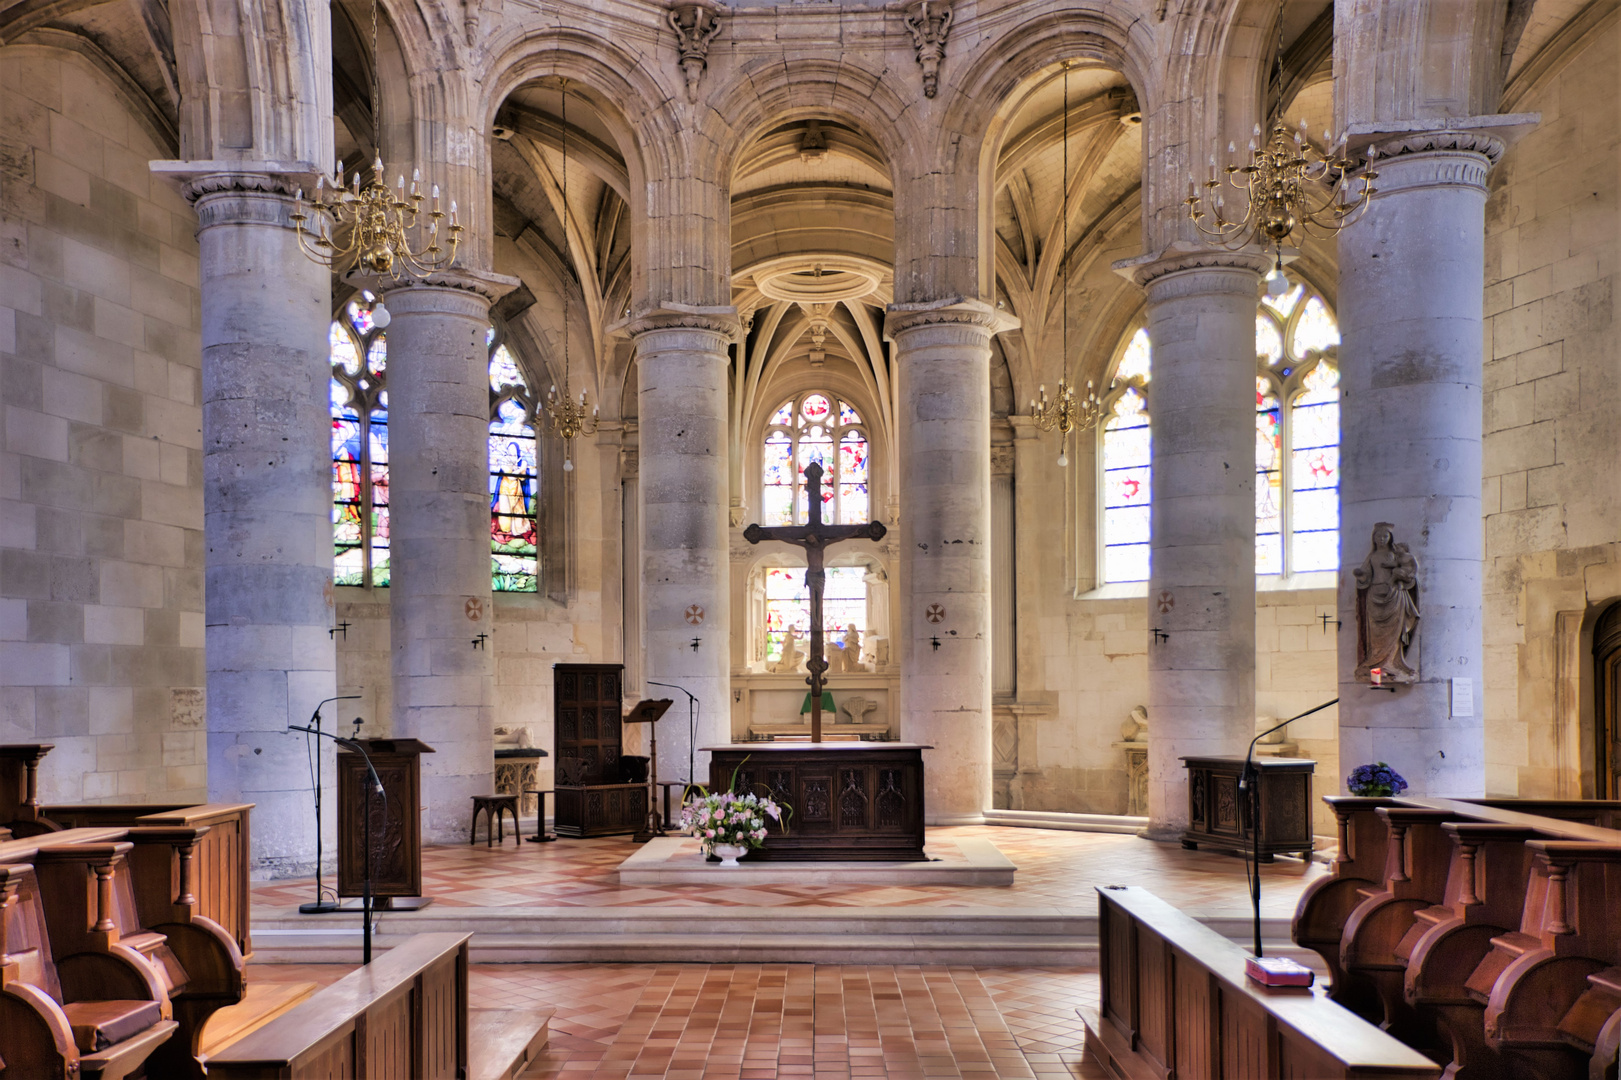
695 642
1160 636
935 641
478 642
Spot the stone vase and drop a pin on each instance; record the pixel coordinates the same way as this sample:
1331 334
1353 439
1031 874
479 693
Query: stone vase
729 854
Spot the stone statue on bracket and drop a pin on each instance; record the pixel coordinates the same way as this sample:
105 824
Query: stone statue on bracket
1386 609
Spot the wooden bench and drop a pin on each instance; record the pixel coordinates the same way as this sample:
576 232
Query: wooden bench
74 1001
1509 923
406 1014
1176 1001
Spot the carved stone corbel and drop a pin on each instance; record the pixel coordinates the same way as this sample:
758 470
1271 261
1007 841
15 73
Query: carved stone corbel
930 23
695 26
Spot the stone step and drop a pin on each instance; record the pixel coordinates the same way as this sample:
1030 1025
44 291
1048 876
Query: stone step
503 1042
973 936
1051 819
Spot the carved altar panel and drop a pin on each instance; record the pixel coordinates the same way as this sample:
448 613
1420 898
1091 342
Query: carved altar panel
849 801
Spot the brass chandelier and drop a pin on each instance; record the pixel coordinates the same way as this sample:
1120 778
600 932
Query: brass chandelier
1290 187
1067 412
379 222
568 414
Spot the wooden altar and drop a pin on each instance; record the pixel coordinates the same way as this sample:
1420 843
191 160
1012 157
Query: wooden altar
852 802
396 822
1219 813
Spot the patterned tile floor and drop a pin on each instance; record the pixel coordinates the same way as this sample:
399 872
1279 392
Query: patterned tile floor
742 1022
1056 869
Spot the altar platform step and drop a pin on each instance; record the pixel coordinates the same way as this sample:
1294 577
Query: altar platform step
1052 819
679 860
974 936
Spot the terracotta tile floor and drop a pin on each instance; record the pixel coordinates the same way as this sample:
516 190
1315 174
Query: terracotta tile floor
1056 869
786 1020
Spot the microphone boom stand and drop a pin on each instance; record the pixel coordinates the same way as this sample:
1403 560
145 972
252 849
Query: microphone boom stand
692 725
1250 780
321 906
376 784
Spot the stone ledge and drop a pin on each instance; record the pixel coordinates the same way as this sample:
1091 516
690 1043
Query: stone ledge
677 860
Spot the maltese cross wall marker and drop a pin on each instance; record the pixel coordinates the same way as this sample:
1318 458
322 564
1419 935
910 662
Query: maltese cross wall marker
695 615
934 613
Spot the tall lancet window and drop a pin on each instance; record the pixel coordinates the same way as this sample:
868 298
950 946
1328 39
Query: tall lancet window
815 427
1127 465
1297 448
514 475
359 353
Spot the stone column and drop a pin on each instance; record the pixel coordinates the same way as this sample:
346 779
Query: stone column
681 360
439 558
267 505
1410 309
1201 586
942 355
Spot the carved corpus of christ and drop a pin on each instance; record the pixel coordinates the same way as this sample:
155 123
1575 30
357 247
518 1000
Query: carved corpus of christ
815 538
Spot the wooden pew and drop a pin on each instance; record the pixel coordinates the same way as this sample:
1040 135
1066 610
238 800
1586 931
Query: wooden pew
95 1013
1488 937
1486 880
154 903
19 788
1176 1001
219 859
1417 858
1326 904
1534 977
404 1015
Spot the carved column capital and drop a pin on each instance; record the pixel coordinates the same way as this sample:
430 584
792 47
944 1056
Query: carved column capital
239 193
484 285
695 26
956 310
671 316
930 24
1165 274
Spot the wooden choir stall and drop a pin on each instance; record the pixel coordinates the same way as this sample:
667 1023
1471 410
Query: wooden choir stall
594 796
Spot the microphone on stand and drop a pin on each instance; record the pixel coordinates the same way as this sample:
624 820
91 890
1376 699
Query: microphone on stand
694 707
1248 780
321 906
376 785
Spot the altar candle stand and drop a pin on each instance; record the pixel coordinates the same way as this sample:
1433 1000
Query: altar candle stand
648 712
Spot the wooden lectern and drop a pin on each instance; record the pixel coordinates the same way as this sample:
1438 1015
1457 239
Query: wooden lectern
396 822
648 712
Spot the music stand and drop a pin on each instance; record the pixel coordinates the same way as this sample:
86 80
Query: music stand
648 711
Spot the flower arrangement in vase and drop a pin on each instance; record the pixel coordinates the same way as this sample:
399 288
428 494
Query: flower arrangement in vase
1378 781
729 824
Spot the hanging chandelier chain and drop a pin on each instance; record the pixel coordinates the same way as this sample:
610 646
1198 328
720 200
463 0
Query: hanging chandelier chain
569 417
1278 185
384 229
1066 412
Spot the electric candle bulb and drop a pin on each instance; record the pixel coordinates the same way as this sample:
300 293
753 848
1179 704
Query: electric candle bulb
298 196
1257 131
320 183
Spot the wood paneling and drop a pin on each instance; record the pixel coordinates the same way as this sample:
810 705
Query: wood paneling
402 1018
1222 1025
850 801
1219 810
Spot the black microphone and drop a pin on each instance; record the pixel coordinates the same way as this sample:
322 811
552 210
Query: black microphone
1248 780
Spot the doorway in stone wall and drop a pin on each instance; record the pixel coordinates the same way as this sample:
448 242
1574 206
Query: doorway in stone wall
1607 708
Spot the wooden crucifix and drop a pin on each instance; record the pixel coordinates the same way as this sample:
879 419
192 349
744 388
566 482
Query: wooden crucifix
815 537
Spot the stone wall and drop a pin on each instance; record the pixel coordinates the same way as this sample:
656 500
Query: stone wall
101 497
1552 491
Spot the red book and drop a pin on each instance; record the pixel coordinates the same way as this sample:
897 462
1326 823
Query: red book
1277 971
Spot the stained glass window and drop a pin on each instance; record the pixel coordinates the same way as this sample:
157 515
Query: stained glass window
359 408
514 475
1135 360
787 604
1315 427
1268 479
1127 472
821 428
1297 436
1296 449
